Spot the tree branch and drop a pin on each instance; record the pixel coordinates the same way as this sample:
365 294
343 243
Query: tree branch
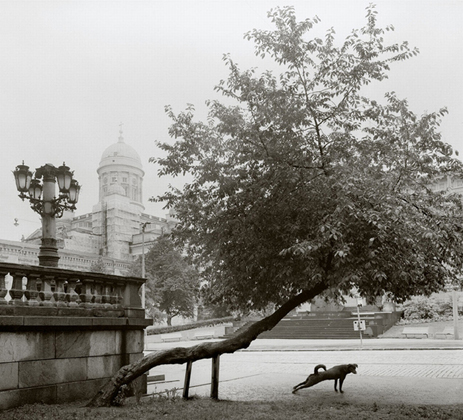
180 355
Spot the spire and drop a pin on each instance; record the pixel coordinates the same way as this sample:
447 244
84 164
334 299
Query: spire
121 139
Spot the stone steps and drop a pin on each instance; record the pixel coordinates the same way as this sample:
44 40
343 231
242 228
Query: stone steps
314 328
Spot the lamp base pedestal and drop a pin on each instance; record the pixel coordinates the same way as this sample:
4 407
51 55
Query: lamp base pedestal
48 254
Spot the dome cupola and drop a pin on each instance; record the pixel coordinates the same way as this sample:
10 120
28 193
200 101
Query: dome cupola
120 153
120 171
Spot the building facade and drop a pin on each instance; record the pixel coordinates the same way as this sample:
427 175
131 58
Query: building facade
112 231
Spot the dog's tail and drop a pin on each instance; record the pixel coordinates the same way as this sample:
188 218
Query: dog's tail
315 371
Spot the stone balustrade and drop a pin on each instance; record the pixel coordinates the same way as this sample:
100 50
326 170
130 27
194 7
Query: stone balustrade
49 291
65 333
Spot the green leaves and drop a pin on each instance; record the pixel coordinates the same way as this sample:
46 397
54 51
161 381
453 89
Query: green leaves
305 182
173 284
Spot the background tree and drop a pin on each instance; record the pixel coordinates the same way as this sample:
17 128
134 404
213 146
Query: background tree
172 284
307 187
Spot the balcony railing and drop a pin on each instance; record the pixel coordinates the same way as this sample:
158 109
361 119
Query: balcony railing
58 292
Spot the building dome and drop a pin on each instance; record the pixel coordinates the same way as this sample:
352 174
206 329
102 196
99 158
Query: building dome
122 154
121 172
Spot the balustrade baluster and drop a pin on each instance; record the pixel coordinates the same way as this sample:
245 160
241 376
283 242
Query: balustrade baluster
72 296
17 291
47 289
60 292
78 289
39 284
98 294
113 295
3 289
31 292
118 295
86 293
106 297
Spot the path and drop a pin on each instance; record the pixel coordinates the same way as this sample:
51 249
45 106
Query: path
268 371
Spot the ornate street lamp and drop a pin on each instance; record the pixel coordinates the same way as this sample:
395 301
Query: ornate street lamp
143 292
49 207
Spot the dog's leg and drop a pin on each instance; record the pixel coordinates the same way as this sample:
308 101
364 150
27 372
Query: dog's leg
336 384
298 386
341 381
310 381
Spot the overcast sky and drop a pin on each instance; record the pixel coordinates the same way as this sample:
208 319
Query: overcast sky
72 71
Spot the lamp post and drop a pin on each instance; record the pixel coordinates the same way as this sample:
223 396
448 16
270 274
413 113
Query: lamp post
455 313
143 227
451 287
49 207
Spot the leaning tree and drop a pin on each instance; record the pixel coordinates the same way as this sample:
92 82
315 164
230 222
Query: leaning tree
305 187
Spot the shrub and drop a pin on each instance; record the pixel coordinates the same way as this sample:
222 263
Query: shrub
420 309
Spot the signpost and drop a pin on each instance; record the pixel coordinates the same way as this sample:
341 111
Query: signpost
359 325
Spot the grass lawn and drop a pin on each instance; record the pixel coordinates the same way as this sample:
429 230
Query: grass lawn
206 409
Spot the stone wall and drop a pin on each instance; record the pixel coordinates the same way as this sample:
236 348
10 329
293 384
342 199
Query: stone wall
64 333
60 366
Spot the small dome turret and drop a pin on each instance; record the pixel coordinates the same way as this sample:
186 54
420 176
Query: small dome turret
121 172
120 153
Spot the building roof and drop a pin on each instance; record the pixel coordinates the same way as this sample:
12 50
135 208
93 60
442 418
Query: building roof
121 153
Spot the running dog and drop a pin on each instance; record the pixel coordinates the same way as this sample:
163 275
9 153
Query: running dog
336 372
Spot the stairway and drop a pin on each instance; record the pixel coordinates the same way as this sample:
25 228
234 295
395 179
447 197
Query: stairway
315 329
237 328
324 325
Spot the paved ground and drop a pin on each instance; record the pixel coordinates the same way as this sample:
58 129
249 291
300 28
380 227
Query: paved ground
411 371
327 345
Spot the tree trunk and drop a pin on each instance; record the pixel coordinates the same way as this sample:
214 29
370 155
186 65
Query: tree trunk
180 355
169 321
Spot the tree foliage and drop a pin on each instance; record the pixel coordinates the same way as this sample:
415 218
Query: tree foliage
305 186
306 181
172 284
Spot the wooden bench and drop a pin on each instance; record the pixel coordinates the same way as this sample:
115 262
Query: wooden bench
202 335
171 337
421 331
448 332
156 378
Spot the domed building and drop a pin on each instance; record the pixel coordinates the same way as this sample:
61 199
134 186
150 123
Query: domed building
112 231
121 167
118 215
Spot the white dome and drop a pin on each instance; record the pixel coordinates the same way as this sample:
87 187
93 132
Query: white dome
120 153
120 172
